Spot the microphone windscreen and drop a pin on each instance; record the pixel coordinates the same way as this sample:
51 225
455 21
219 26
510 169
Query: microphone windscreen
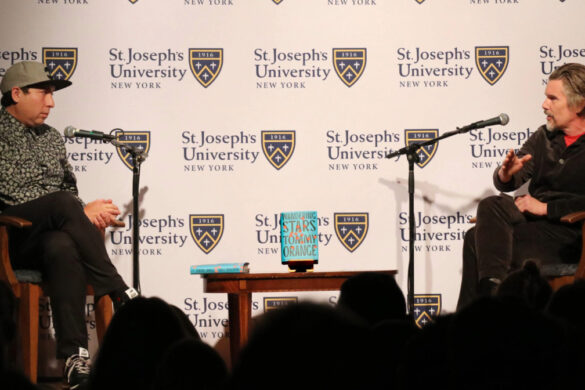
69 131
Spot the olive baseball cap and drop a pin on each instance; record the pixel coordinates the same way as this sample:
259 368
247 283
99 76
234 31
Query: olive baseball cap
30 74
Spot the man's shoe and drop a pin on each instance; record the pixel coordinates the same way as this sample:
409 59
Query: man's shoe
77 370
488 286
119 298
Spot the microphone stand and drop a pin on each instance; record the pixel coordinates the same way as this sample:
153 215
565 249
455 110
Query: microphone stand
138 156
411 154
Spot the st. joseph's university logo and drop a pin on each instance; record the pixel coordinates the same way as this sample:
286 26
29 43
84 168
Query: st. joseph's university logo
206 230
278 146
351 229
349 64
61 62
205 64
492 62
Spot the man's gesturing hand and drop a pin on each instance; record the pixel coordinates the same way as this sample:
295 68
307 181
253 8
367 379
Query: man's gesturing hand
512 165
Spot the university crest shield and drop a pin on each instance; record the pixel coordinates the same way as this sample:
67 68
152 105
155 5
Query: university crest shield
349 64
492 62
277 1
426 308
61 62
205 64
351 229
278 146
425 153
138 139
206 230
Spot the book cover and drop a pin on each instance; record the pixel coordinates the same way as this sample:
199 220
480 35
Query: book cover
220 268
299 237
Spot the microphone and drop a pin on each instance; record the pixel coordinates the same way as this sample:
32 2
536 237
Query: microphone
71 132
501 119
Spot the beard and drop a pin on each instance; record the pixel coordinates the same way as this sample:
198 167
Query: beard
550 123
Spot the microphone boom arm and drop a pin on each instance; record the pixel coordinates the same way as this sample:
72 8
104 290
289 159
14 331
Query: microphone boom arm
412 148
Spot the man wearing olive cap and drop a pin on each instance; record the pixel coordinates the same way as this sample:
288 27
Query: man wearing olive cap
37 183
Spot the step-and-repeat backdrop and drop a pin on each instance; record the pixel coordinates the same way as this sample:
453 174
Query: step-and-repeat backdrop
248 108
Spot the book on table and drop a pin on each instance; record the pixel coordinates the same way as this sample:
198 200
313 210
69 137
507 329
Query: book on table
221 268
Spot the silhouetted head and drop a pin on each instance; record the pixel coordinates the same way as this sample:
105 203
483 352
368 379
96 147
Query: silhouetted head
140 333
567 302
305 346
527 285
191 364
373 296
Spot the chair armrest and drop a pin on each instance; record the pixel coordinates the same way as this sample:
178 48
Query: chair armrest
7 220
574 217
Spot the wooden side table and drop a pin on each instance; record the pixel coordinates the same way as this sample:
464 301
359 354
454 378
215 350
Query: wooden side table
240 287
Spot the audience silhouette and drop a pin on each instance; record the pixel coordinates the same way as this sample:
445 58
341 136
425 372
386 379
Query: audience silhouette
525 337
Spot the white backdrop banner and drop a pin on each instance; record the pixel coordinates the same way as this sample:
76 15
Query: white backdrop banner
253 107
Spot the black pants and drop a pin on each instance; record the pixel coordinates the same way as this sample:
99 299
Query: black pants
503 238
70 252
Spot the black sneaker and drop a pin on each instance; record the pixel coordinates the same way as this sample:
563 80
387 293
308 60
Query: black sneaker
77 370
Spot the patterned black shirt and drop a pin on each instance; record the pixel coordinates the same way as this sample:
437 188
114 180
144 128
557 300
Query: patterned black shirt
33 162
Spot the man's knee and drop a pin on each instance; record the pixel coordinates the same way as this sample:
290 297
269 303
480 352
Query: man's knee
63 199
488 204
64 203
499 209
